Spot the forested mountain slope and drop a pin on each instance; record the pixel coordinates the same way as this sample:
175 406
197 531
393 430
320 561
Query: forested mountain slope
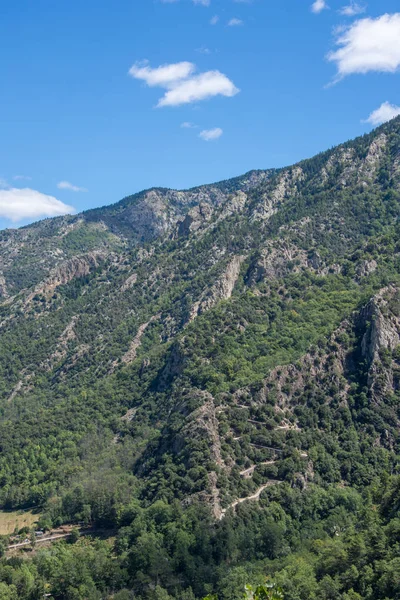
169 356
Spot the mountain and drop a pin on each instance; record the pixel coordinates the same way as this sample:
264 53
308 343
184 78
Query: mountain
213 376
29 253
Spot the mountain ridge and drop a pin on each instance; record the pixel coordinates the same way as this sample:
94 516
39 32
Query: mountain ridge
240 364
152 213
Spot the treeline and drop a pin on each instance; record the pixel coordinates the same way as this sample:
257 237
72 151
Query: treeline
318 544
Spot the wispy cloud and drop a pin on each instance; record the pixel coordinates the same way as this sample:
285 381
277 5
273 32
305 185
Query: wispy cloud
208 135
197 2
235 22
353 9
3 183
318 6
368 45
66 185
22 178
384 113
214 20
182 85
188 125
203 50
19 204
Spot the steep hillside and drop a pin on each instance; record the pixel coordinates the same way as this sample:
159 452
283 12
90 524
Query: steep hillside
228 350
29 253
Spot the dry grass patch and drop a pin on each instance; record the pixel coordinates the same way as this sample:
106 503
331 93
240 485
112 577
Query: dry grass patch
9 520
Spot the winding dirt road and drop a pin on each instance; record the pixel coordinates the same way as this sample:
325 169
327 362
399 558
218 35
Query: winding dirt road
255 496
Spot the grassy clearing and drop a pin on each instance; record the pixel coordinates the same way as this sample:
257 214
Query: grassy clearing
20 518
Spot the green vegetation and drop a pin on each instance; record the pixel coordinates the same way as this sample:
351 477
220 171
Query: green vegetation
218 400
318 544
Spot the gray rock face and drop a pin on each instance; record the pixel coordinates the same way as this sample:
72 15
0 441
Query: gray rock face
366 267
195 218
222 288
381 338
3 287
277 259
158 211
382 325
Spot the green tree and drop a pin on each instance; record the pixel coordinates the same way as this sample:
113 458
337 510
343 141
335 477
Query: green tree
8 592
266 591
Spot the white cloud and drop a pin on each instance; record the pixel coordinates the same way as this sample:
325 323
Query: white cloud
234 22
162 76
384 113
214 20
183 87
66 185
16 204
353 9
318 6
188 125
209 135
200 87
22 178
368 45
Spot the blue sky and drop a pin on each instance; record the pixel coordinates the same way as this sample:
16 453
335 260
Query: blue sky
88 117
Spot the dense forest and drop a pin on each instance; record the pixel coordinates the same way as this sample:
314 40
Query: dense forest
206 385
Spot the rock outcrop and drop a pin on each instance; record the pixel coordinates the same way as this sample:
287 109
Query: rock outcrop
283 187
202 424
380 319
61 350
373 158
195 218
130 282
277 260
131 354
76 267
3 287
221 290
